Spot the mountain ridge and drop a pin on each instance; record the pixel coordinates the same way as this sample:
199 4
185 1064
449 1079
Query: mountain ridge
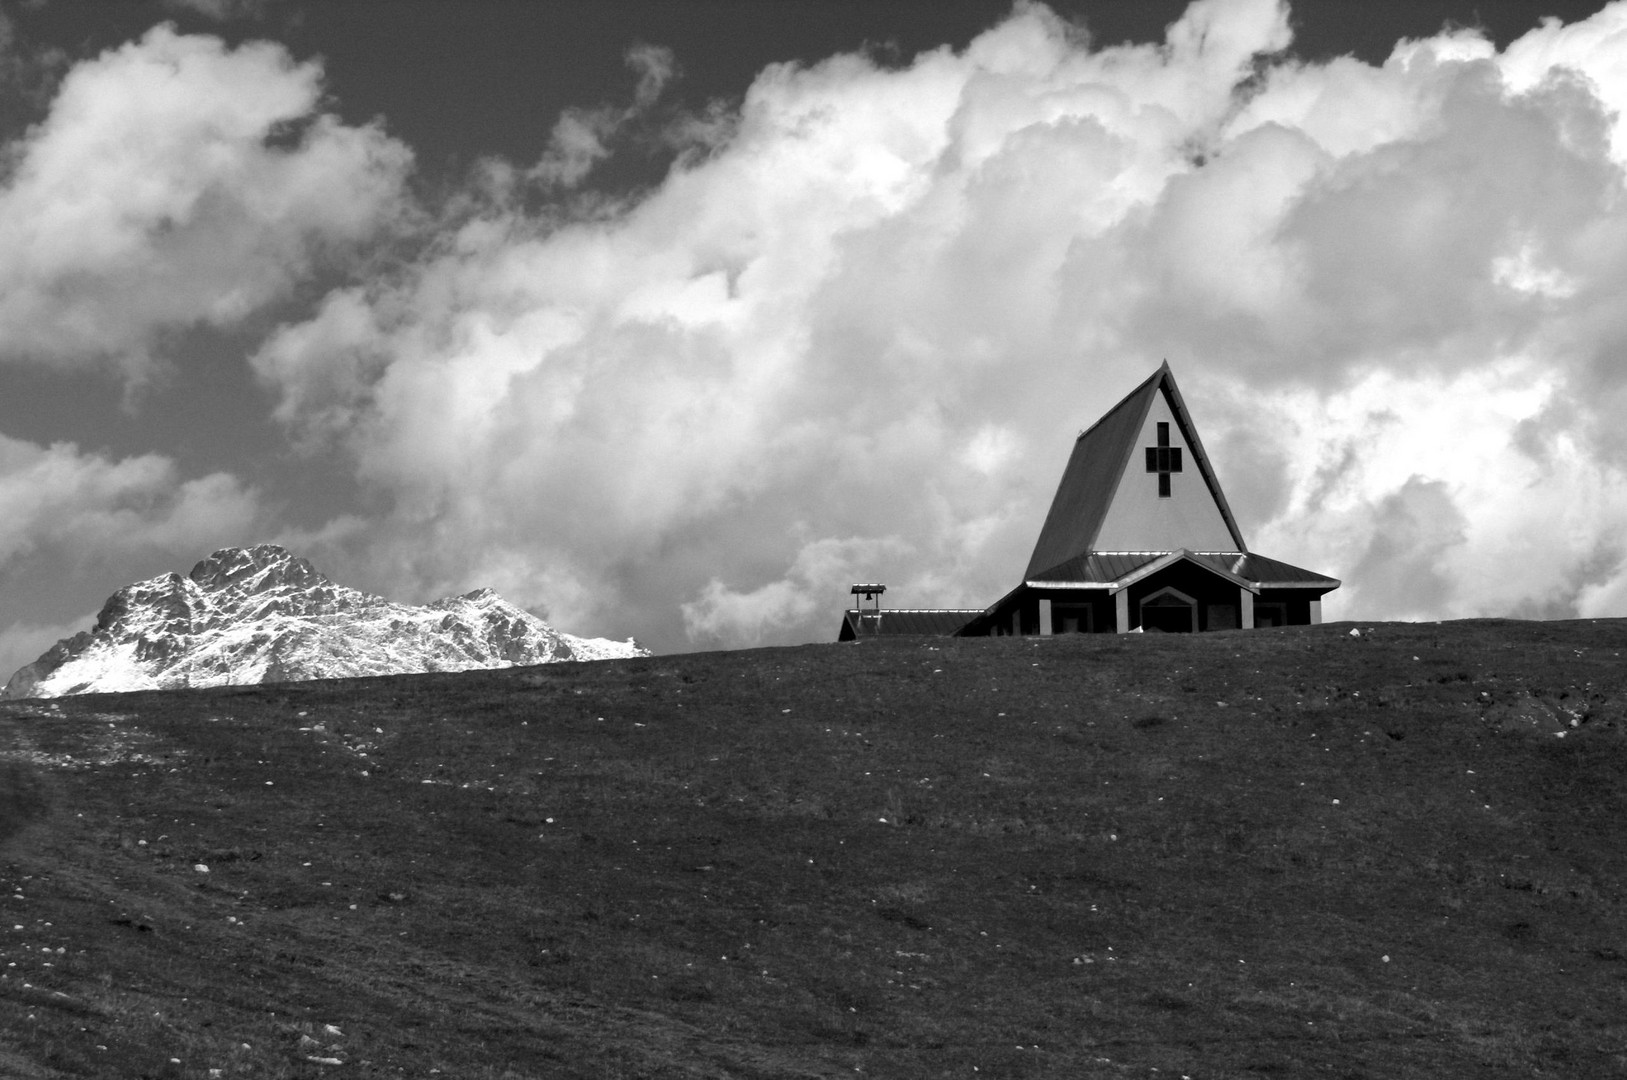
261 614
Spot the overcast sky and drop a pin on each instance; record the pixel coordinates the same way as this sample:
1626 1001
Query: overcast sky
672 319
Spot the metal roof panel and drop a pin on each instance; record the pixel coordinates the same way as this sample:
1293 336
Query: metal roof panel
1099 458
931 622
1278 574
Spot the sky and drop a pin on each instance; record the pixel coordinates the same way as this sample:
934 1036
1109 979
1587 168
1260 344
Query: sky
672 319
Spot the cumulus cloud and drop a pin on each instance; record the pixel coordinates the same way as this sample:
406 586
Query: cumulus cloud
177 182
60 499
722 615
854 340
581 137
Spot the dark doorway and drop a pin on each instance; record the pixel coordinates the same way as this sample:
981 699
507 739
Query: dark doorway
1170 612
1071 619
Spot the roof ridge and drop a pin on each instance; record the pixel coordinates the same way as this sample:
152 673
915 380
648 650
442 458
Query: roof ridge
1140 387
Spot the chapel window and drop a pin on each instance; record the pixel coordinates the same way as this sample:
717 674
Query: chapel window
1163 459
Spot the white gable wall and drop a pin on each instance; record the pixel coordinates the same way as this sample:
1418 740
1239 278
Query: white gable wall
1138 520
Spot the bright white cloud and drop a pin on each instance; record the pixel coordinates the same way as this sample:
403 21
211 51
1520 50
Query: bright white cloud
1442 496
71 504
856 338
177 182
1595 48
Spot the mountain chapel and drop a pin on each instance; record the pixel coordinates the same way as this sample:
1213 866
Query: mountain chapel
1139 537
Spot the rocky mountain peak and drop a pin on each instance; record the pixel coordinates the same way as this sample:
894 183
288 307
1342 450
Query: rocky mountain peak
261 614
255 569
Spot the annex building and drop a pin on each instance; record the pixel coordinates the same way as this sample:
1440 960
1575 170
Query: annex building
1139 537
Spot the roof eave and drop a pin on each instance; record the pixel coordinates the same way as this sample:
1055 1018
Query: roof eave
1252 586
918 611
1325 584
1071 584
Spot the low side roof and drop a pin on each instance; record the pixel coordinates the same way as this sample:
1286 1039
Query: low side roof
1276 574
1101 454
929 622
1097 567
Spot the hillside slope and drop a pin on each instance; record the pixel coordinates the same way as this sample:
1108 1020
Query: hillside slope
1290 852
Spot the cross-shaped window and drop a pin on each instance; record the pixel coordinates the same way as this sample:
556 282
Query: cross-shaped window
1163 459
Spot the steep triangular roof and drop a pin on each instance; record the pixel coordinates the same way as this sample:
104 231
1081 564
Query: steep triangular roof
1101 456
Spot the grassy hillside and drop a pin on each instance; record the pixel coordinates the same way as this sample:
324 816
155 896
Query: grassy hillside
1291 853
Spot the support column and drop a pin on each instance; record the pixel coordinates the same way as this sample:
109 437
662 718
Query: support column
1246 609
1017 623
1121 610
1044 617
1316 612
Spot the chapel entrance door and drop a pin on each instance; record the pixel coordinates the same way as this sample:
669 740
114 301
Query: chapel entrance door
1071 619
1169 611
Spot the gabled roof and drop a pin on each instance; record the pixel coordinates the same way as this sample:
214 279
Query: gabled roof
1113 570
1220 565
1101 456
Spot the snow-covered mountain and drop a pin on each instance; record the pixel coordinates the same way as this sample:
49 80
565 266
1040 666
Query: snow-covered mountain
259 614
